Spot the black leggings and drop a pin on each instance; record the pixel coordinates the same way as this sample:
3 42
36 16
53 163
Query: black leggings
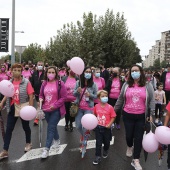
68 118
158 107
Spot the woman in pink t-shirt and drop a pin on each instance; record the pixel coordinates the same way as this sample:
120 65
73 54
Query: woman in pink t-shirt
100 82
3 73
26 72
70 83
85 93
52 95
137 100
113 87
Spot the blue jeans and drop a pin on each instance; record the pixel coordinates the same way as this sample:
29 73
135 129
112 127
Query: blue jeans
11 121
80 114
52 119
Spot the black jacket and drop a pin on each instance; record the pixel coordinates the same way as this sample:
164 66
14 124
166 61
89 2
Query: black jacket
105 75
36 81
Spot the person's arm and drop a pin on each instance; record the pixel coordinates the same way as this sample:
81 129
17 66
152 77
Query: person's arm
3 102
77 89
110 123
31 101
167 117
94 94
164 99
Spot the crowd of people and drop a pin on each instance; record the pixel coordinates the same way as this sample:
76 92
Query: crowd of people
135 95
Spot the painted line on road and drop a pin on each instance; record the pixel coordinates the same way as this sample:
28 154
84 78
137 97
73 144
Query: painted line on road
36 153
92 144
63 123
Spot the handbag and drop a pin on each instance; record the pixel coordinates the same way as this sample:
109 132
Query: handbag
75 106
18 107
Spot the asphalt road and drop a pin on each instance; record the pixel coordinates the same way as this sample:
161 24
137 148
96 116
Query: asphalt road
68 157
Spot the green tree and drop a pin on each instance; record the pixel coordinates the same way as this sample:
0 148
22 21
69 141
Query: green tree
33 52
163 64
157 64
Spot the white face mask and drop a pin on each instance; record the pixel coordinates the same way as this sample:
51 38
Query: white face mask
39 67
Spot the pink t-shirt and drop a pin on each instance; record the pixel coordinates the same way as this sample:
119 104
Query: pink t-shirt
26 74
83 103
3 76
15 98
50 96
135 100
167 82
70 85
62 73
100 82
115 89
104 114
159 96
168 107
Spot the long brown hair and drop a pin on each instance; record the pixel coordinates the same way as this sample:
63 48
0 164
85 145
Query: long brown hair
142 80
53 67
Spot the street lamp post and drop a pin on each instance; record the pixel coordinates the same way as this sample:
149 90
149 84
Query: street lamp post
13 34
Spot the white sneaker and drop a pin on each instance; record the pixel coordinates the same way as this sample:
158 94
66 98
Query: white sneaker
45 154
164 114
156 120
129 151
136 164
55 144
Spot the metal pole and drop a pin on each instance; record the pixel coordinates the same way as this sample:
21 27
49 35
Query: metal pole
13 34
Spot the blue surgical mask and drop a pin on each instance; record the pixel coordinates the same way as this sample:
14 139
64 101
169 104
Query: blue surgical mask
135 74
87 75
97 74
104 99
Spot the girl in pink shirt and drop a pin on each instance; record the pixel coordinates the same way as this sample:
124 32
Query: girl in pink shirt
53 95
137 101
70 83
105 115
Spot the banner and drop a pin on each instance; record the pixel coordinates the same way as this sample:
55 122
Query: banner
4 34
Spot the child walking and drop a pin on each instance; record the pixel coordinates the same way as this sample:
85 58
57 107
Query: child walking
106 116
160 99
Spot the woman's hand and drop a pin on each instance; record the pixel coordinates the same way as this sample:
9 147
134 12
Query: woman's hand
79 90
87 94
51 107
108 126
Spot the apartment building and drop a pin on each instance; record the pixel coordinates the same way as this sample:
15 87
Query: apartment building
161 50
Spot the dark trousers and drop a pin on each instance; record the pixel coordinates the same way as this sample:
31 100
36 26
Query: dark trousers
112 102
68 118
102 137
134 128
167 94
11 121
158 107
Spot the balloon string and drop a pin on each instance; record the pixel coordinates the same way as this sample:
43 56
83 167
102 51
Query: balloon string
153 124
80 80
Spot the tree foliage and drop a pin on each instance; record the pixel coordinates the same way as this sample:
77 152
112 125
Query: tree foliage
157 64
104 39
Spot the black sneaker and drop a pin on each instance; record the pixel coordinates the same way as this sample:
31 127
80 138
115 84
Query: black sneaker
105 154
66 128
97 160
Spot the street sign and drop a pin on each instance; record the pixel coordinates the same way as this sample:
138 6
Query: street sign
4 34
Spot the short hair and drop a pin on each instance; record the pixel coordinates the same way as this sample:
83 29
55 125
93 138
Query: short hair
159 84
16 65
101 91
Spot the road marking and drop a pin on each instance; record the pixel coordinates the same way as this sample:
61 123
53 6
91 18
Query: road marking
92 144
36 153
63 123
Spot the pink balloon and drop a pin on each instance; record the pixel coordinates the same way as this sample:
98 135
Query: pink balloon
7 88
163 135
89 121
28 113
149 143
77 65
68 63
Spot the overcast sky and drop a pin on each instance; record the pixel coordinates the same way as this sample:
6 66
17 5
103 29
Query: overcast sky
40 19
